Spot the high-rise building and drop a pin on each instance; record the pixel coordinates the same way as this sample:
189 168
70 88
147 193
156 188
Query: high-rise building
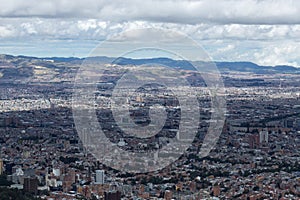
68 180
100 175
31 185
216 190
263 137
116 195
168 195
288 123
1 167
56 172
253 140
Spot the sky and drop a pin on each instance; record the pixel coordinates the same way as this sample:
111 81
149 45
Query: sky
266 32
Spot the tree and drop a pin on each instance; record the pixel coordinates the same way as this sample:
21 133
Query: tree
4 181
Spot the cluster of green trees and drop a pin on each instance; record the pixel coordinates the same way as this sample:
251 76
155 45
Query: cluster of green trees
68 160
4 182
15 194
7 193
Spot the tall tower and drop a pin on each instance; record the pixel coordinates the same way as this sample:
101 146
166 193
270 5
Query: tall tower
100 175
31 185
263 137
216 190
1 166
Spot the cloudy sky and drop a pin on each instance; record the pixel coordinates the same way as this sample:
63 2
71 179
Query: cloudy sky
263 31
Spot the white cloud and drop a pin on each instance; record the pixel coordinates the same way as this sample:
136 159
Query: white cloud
263 44
229 47
87 24
175 11
29 28
263 31
6 31
286 53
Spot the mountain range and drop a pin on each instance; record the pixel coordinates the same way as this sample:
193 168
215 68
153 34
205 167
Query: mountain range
180 64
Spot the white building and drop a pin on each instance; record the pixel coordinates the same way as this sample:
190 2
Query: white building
100 176
263 137
56 172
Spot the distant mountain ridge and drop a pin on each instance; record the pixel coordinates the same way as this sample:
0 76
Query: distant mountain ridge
222 66
252 67
180 64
